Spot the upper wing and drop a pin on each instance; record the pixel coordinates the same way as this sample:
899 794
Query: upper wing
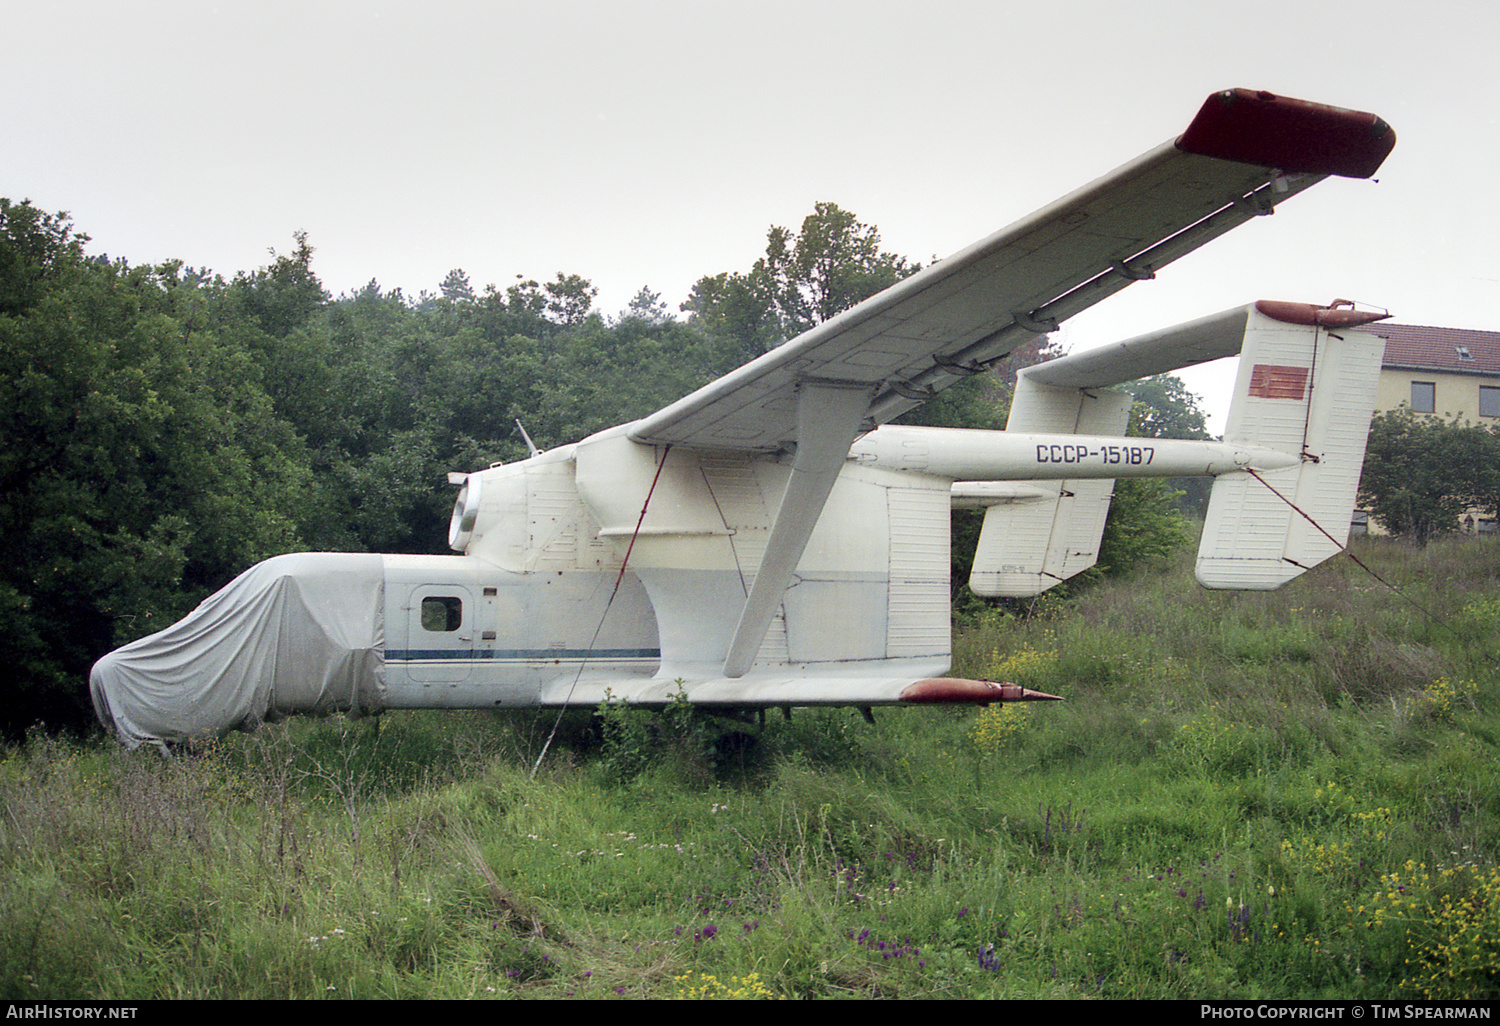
1243 153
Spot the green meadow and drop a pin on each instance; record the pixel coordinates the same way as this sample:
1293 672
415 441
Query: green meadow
1291 794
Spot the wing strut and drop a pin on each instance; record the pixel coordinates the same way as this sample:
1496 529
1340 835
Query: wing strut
829 415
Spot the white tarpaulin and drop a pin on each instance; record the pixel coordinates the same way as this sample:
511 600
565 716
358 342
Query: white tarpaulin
301 633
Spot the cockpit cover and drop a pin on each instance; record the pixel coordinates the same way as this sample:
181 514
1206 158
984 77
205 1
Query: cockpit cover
298 633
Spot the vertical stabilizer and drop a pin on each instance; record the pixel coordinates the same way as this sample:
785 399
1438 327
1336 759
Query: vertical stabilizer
1033 543
1305 386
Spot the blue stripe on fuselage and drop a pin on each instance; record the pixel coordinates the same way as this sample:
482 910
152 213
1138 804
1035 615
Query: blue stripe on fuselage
417 655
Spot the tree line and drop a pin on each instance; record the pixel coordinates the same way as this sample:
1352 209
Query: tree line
165 427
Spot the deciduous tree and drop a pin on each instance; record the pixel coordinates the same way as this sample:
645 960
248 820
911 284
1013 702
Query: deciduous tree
141 463
1422 473
832 263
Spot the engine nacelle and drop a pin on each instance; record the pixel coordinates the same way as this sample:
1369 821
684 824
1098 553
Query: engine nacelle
528 517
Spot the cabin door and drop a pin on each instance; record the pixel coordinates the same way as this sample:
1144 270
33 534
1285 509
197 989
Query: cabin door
441 625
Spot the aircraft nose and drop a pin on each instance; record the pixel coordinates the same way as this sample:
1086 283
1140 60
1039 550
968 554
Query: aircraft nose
97 674
297 633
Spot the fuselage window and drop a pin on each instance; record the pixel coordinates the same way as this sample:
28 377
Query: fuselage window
442 613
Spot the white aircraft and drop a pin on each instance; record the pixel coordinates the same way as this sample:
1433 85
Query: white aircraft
766 542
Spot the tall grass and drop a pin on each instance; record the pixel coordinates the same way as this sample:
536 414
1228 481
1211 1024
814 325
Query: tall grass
1289 794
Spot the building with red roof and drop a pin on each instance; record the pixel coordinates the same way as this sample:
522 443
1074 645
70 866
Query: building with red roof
1450 372
1453 373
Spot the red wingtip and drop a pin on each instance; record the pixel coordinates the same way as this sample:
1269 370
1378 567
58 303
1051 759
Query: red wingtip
1257 127
960 690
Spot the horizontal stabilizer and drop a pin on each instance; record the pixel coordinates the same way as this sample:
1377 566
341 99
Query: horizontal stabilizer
1186 345
984 494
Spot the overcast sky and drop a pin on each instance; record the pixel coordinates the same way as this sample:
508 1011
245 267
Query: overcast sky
650 143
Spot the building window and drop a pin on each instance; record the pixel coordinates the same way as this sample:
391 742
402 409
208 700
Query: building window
1423 396
1489 401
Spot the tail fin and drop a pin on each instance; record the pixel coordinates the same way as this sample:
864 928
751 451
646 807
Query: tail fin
1038 541
1033 542
1304 386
